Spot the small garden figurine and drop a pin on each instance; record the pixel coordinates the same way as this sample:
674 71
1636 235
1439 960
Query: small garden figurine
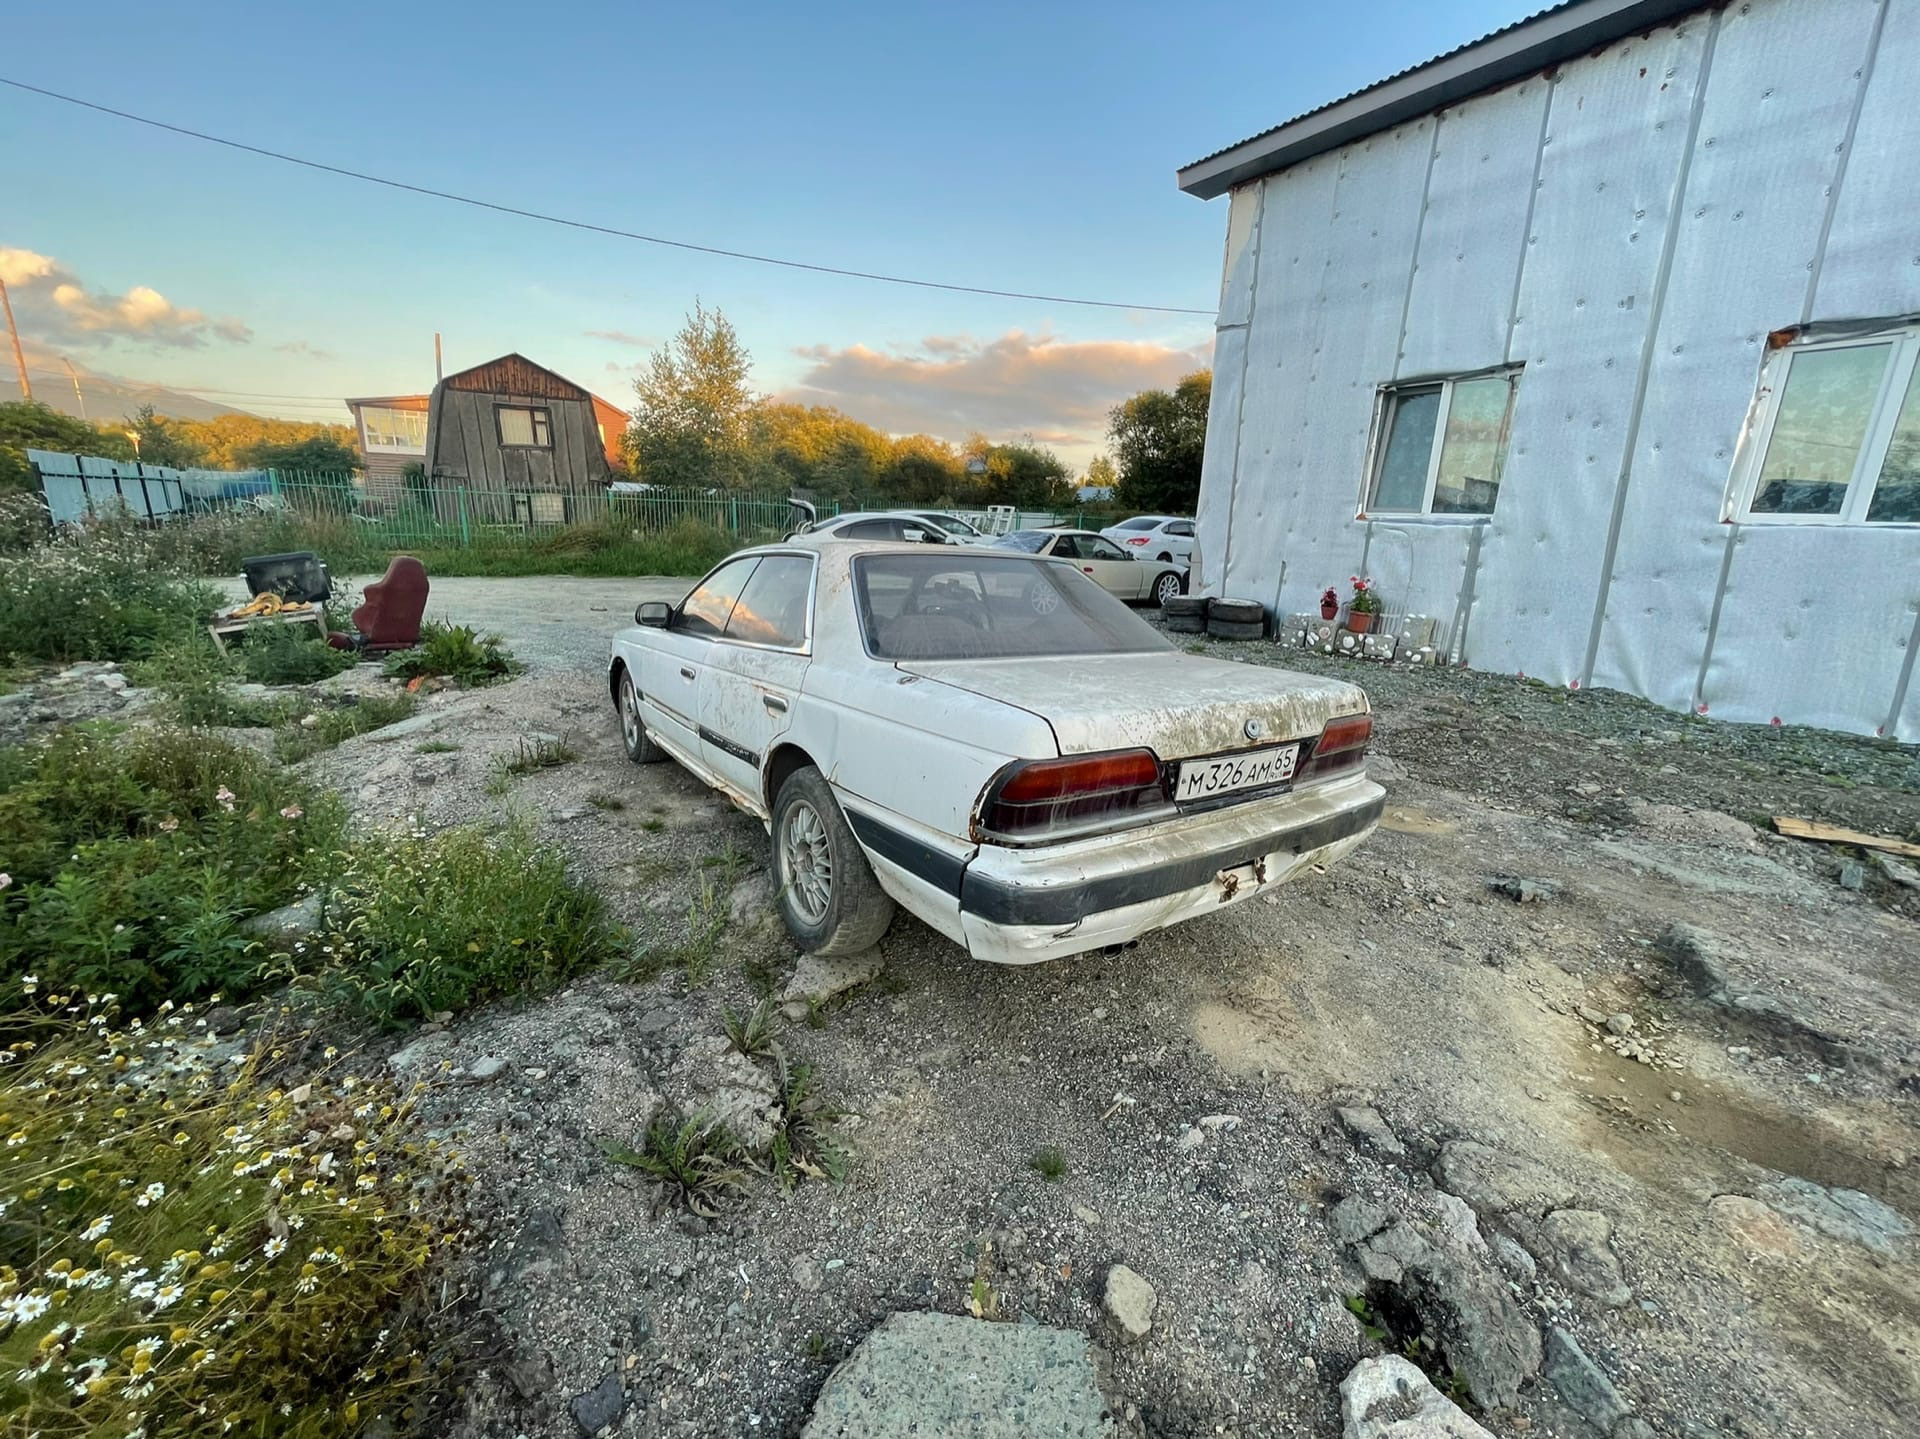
1329 603
1363 607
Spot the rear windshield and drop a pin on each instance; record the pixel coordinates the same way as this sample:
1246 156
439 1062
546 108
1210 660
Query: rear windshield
983 606
1145 522
1026 541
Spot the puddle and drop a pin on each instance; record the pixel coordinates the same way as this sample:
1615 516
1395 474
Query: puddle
1715 1117
1406 819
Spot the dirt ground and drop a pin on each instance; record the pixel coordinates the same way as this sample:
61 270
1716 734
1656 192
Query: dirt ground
1190 1084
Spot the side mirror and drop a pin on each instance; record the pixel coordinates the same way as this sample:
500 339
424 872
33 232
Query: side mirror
654 614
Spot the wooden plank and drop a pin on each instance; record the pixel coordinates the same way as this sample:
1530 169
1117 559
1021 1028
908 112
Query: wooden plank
1836 834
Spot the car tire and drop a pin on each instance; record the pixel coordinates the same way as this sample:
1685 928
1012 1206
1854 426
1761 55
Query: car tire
1240 612
1236 629
1168 587
1164 558
633 732
1186 625
833 908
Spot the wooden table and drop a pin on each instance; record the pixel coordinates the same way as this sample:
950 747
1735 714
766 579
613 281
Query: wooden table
220 629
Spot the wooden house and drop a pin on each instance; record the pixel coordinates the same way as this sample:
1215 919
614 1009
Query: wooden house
525 444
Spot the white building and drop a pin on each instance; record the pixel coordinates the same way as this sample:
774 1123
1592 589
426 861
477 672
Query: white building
1595 339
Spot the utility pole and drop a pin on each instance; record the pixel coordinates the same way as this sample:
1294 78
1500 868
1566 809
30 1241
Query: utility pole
437 375
78 398
19 359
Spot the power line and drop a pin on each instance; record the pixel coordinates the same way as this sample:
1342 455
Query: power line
587 225
192 389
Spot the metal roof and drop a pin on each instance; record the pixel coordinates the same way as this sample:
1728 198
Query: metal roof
1523 48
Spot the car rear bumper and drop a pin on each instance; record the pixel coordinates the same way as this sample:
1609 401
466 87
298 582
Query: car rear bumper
1020 906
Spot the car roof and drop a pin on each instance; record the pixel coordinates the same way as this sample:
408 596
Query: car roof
823 539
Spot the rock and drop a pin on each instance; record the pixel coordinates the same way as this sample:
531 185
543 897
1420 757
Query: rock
116 682
939 1374
1389 1398
818 978
751 901
1843 1214
1904 875
1513 1257
1457 1221
531 1375
1576 1246
415 724
289 924
1581 1383
1129 1302
1088 1217
1356 1218
539 1248
1758 1228
600 1406
1371 1132
1495 1182
1620 1024
488 1066
713 1079
1853 875
805 1274
1632 1428
423 1055
1522 890
1699 954
1591 1015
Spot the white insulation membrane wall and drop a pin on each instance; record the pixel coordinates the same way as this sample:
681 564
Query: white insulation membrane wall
1624 234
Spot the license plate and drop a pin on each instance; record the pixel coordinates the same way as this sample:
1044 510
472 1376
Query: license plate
1204 778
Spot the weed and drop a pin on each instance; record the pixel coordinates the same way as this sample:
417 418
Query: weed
458 652
653 825
1049 1163
804 1144
499 783
694 1157
291 655
444 921
760 974
438 746
104 1181
707 916
539 752
751 1035
817 1347
106 592
600 799
323 728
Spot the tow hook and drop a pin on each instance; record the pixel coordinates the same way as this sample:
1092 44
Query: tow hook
1229 883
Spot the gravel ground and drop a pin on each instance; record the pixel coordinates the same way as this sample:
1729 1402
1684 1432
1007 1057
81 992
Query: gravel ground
1190 1086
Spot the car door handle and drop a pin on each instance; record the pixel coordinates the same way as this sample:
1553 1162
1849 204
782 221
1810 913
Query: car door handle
685 673
774 703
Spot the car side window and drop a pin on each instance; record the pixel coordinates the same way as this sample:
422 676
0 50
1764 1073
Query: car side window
872 530
1099 549
1066 548
706 610
772 608
1181 528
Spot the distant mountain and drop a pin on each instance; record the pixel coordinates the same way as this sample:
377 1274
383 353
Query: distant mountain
107 397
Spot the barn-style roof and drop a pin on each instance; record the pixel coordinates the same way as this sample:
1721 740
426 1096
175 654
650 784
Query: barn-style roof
516 375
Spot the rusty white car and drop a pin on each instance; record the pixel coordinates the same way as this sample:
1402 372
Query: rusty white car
990 741
1113 569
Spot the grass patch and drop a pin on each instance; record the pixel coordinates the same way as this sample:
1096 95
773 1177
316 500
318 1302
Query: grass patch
430 923
708 914
694 1158
1049 1163
107 593
324 727
188 1245
601 800
804 1145
133 855
438 746
653 824
455 652
541 752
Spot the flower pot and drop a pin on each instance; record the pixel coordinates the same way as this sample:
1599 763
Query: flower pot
1358 622
1329 608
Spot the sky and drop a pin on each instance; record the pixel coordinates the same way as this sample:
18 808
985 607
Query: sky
1028 147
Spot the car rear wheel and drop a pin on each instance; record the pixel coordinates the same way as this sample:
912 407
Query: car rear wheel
1167 587
1164 558
633 733
827 894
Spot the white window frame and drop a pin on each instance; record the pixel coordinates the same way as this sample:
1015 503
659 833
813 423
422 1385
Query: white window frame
1751 456
368 424
1387 404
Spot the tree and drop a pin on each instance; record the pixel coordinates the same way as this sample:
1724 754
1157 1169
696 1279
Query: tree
163 441
1024 474
693 407
30 425
1101 475
315 452
235 442
1159 439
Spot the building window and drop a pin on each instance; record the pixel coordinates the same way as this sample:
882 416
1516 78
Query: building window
1834 434
388 429
1441 446
523 425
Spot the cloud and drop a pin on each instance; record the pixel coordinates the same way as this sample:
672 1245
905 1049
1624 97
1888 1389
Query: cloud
53 305
1058 391
622 337
301 347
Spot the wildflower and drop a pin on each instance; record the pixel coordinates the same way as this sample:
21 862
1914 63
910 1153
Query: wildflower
169 825
292 811
152 1192
29 982
166 1296
6 880
23 1308
275 1247
226 798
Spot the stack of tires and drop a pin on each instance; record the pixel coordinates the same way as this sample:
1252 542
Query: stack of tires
1223 619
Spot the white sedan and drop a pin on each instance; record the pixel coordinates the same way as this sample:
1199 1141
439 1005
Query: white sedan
1158 537
1119 573
990 741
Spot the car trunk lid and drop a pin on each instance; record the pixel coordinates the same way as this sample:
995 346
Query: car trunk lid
1180 706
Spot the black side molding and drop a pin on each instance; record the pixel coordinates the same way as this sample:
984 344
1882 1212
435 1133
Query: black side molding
917 858
721 742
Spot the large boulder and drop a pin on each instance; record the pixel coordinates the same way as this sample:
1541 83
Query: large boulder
939 1376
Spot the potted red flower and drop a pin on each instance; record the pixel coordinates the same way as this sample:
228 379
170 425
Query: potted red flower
1363 607
1329 603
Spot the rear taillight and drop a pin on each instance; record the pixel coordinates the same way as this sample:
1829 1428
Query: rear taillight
1342 746
1036 798
1141 541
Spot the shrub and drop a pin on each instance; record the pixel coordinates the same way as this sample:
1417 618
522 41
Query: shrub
133 855
440 922
188 1249
296 738
103 594
291 655
457 652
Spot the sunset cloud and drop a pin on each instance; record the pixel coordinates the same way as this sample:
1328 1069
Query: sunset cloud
1058 391
623 337
53 305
